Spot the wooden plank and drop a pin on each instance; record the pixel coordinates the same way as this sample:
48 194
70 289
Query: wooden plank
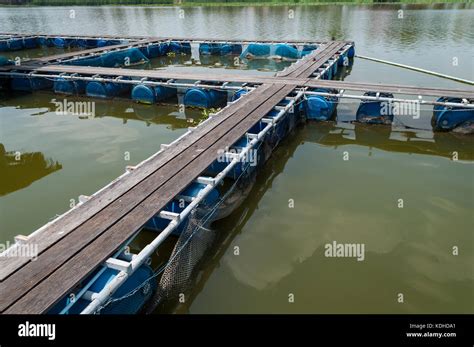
61 227
309 61
70 273
317 60
18 283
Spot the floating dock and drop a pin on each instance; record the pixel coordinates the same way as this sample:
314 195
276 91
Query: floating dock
77 248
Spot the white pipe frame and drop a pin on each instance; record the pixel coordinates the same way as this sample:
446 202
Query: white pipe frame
380 98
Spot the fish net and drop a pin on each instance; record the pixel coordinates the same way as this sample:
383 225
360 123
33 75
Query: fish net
195 242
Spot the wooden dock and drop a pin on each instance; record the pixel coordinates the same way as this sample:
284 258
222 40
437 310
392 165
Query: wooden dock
71 247
297 81
76 244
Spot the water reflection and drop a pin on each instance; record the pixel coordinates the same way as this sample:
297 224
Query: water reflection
19 170
392 140
166 113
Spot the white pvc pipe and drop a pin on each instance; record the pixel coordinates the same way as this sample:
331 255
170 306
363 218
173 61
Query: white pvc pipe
462 80
380 98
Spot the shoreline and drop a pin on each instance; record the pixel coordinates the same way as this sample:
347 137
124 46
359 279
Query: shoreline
117 3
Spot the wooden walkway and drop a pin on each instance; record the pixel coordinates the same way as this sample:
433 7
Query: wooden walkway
73 246
281 78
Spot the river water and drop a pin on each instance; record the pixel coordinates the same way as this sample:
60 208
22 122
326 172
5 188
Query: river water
408 250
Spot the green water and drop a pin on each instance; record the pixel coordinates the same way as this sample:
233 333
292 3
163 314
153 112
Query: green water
408 250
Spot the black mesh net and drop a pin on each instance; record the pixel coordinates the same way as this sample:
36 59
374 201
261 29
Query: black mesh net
189 253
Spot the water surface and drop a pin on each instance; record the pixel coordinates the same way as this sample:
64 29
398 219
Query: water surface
408 250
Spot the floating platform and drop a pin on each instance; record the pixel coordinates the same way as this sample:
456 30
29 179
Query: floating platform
84 262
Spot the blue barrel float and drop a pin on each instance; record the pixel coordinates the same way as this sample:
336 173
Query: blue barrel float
154 50
334 67
307 49
29 84
11 45
351 52
4 46
251 164
219 49
205 98
179 47
104 43
131 56
4 61
30 42
256 50
69 87
88 61
343 59
62 42
87 43
45 42
158 224
287 52
106 90
231 49
142 279
375 112
238 94
448 118
151 94
318 107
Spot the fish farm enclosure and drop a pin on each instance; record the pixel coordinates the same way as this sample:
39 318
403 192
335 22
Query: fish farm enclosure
148 172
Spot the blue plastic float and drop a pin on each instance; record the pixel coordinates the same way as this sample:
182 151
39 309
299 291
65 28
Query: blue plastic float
158 224
179 47
238 94
446 118
106 90
150 94
318 107
28 84
142 279
69 87
204 98
307 49
375 112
